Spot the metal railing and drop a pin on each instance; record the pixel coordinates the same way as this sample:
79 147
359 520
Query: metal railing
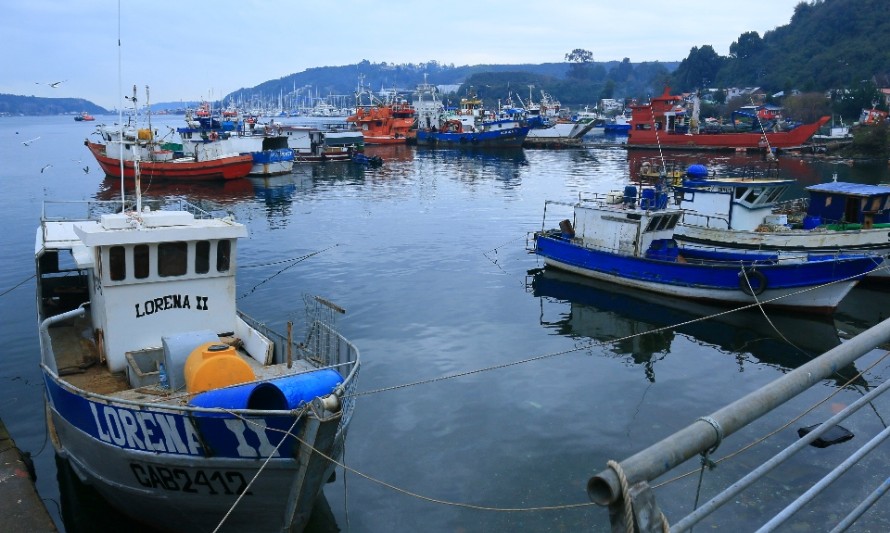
630 478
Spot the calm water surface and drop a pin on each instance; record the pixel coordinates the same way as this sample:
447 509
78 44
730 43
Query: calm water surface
428 256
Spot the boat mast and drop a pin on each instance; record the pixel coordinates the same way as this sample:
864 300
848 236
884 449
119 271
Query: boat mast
120 110
136 148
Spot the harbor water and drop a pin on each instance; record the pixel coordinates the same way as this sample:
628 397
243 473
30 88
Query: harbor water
488 395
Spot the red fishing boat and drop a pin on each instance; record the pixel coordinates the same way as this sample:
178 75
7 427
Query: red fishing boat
667 122
158 161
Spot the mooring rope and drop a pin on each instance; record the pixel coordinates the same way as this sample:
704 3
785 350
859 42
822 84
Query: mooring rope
298 415
414 494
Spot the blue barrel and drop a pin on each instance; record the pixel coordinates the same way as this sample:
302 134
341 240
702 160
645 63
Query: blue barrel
647 199
697 171
812 221
630 195
273 395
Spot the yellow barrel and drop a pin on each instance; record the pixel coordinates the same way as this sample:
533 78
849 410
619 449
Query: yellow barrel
144 134
213 365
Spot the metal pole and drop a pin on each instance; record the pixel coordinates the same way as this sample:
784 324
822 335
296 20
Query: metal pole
860 509
604 488
730 491
805 498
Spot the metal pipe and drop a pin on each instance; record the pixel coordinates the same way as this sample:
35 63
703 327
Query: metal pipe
805 498
45 340
730 491
604 488
860 509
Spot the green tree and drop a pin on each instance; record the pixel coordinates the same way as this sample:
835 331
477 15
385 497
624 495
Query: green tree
699 69
580 60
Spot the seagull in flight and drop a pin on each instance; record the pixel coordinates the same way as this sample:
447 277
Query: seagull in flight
56 83
45 167
29 141
86 170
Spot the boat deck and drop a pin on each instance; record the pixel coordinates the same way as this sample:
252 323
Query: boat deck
78 363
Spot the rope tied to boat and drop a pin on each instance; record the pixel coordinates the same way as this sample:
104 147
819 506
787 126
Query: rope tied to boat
706 461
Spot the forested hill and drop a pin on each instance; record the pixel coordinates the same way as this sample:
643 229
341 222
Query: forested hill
828 44
11 104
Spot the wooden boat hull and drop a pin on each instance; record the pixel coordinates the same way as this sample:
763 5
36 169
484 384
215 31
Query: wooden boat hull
225 168
710 282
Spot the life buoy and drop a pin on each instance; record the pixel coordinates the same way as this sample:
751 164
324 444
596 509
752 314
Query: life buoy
214 136
752 282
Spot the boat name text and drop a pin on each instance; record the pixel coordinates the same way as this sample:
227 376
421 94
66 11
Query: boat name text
175 434
170 301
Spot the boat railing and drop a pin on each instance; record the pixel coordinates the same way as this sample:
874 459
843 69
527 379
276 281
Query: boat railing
83 210
324 346
624 486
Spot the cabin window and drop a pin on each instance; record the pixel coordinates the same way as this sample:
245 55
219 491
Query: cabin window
223 255
141 266
172 258
117 263
875 204
202 257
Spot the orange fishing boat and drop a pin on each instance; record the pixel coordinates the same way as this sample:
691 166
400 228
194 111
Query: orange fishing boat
384 122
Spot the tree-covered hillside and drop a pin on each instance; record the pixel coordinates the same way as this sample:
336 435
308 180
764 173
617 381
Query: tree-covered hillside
828 44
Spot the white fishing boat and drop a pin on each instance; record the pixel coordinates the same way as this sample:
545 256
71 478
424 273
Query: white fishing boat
182 411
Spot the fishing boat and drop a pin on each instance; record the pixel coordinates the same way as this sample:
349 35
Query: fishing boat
129 150
183 412
470 126
269 149
751 214
312 145
629 241
381 121
667 122
84 117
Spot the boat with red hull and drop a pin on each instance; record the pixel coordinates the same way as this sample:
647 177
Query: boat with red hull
170 168
667 123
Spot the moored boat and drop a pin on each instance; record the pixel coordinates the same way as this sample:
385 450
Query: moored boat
181 411
667 122
382 121
750 214
471 126
629 241
130 151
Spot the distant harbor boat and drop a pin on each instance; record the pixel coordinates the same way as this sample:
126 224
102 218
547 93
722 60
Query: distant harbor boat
469 127
666 122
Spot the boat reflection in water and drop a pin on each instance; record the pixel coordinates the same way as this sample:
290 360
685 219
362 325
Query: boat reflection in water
644 325
220 192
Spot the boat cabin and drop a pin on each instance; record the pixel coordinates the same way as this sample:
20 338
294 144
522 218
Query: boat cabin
733 203
144 275
843 205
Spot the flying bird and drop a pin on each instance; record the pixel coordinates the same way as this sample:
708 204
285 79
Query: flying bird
45 167
86 170
29 141
56 83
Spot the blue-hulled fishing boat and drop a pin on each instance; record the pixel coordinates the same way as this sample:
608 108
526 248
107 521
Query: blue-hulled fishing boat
183 412
470 126
630 241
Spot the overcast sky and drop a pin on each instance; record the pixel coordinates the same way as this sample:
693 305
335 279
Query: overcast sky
189 50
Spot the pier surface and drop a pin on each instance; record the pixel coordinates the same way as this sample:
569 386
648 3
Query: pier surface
21 509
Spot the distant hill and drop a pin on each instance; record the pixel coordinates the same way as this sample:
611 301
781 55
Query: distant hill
11 104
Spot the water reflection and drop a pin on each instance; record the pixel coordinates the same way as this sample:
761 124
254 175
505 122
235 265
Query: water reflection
643 325
224 192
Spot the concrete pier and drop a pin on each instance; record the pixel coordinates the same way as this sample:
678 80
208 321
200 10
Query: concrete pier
21 509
